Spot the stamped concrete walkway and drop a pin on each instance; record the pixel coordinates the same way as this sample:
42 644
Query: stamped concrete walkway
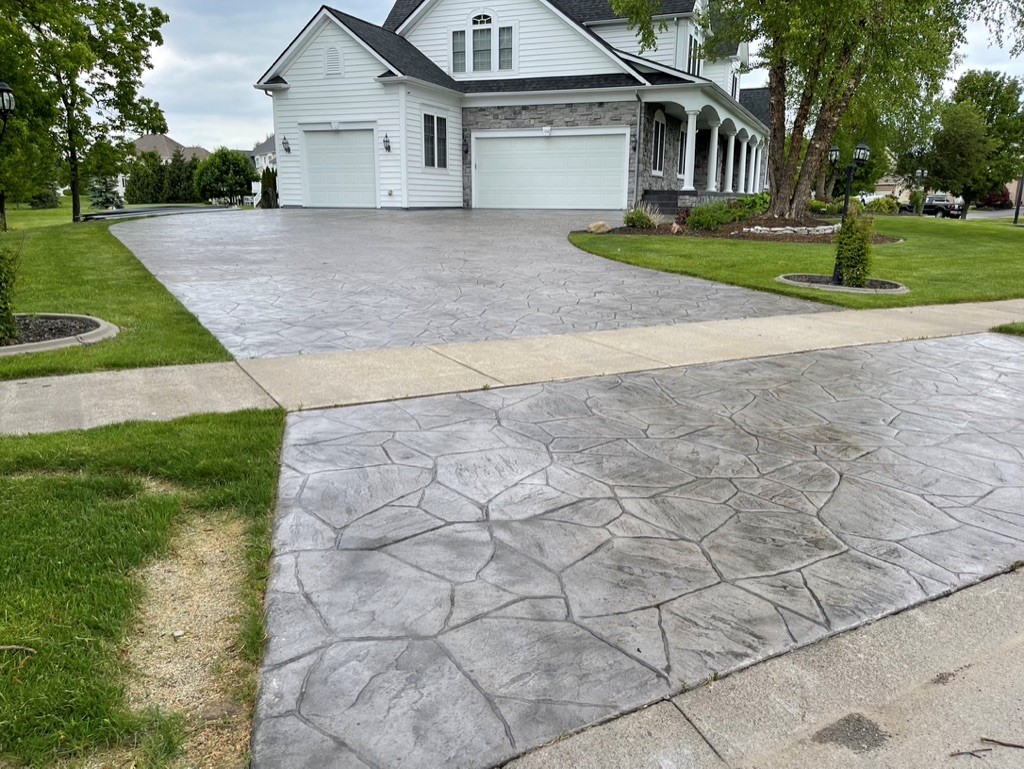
305 282
461 578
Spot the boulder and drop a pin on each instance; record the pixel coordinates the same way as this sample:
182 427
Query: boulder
599 228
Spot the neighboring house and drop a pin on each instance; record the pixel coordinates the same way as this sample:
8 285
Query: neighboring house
509 104
265 154
165 147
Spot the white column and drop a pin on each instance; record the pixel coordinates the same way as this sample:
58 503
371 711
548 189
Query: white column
691 150
713 159
730 159
741 180
755 153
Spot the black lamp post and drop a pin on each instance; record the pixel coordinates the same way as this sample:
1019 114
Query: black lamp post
861 153
922 179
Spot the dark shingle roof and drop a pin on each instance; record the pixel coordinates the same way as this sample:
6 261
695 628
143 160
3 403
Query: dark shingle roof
396 50
266 146
582 11
514 85
758 102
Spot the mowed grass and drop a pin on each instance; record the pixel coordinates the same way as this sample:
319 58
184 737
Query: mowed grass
83 269
1016 329
941 261
80 513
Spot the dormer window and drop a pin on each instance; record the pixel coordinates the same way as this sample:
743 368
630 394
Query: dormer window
332 61
491 46
693 59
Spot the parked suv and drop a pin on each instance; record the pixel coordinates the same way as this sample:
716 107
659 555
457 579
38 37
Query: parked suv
939 206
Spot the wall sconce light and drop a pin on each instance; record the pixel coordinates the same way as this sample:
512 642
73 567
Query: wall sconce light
632 143
465 147
387 143
286 146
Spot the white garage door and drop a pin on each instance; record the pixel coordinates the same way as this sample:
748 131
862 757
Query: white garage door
340 169
583 171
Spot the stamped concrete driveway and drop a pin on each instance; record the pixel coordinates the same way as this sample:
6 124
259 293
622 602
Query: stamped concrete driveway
458 579
290 282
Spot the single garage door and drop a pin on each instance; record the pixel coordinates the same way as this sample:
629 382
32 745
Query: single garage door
576 171
340 169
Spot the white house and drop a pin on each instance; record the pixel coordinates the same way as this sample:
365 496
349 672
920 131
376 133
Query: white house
509 104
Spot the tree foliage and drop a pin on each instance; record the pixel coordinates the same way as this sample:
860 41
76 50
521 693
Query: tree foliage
999 98
88 57
179 183
268 188
959 156
145 182
225 175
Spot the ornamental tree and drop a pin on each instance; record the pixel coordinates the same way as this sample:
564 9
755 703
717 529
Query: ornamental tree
226 174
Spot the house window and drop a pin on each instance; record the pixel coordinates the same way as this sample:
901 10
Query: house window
693 60
459 50
658 150
682 151
487 49
435 141
735 85
332 61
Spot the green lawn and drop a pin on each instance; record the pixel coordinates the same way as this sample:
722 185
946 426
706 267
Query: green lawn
1011 328
942 261
82 268
80 515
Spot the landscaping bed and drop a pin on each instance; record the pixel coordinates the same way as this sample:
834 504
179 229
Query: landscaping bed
736 230
44 328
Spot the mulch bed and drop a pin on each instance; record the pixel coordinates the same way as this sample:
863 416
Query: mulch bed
826 280
34 328
734 231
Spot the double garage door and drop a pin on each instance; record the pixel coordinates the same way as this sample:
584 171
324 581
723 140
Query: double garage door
340 167
557 171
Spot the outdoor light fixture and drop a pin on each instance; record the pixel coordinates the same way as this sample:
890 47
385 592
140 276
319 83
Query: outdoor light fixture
286 146
387 143
6 104
861 154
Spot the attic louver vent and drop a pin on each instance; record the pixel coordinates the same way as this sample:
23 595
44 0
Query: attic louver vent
332 62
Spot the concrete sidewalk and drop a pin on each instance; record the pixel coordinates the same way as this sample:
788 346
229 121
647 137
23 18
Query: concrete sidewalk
303 382
908 692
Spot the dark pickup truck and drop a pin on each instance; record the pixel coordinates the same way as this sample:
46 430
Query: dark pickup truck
939 206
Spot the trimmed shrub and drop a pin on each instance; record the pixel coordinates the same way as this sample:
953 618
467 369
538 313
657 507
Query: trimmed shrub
886 205
710 216
997 199
642 216
817 207
268 188
45 198
853 249
8 271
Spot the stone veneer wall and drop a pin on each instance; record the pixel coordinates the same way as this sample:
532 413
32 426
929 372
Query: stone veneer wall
622 113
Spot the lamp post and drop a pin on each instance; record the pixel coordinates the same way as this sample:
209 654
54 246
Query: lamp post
6 110
922 179
861 153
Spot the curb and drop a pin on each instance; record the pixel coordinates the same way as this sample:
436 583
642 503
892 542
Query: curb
900 288
103 331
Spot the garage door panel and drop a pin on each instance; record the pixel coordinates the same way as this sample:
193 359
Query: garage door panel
341 172
582 171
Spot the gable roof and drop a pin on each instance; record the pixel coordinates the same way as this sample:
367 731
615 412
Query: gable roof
162 145
266 146
758 103
580 11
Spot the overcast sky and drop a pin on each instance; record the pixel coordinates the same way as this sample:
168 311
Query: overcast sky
214 50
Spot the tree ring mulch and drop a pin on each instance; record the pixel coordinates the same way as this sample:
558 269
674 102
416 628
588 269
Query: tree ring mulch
53 331
824 283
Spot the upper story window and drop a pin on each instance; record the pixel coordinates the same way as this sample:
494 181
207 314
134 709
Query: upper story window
332 61
658 150
491 46
693 56
735 85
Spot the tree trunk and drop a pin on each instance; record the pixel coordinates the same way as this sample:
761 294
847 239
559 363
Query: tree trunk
819 185
3 212
779 180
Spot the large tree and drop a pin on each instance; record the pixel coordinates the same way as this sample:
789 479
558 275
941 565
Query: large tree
958 159
226 174
89 56
819 55
999 97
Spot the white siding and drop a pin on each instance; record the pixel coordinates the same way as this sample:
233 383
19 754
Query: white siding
621 37
547 45
433 187
352 98
720 72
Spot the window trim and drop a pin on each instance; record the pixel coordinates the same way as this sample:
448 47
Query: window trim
465 60
495 26
438 146
658 144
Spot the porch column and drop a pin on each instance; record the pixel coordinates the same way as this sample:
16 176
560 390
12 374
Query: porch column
730 151
741 180
752 176
713 159
691 150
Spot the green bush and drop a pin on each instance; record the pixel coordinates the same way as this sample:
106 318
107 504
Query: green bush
886 205
8 270
268 188
710 216
917 201
817 207
754 205
853 249
642 217
45 198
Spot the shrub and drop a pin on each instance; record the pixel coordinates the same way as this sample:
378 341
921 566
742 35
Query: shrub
268 188
710 216
817 207
682 216
853 249
45 198
886 205
642 216
8 270
103 193
755 204
917 201
996 199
